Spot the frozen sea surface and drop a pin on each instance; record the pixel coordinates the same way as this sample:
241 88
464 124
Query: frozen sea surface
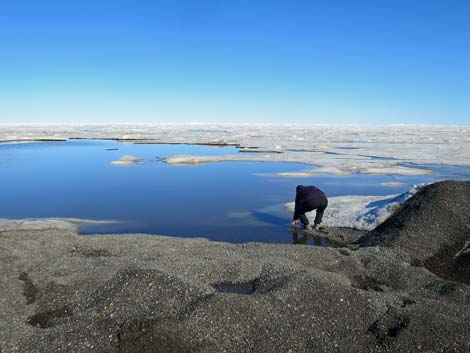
128 187
336 149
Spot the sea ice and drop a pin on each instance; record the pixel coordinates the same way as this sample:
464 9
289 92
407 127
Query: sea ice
127 160
334 149
392 183
397 170
312 172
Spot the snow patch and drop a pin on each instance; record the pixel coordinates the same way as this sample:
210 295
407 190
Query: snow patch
359 212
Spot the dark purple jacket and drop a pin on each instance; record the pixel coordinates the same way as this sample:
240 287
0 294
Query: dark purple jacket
307 198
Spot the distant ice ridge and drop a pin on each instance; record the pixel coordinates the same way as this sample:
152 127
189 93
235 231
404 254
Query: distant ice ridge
359 212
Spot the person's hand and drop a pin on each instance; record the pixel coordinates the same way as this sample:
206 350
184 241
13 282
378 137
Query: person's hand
294 223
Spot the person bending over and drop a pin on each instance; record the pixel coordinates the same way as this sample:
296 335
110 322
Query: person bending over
309 198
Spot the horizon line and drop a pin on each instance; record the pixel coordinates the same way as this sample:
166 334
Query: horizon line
230 123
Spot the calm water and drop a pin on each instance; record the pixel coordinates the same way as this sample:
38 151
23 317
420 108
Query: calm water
226 201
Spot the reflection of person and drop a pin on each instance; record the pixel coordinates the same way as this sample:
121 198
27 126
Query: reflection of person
304 239
299 241
309 198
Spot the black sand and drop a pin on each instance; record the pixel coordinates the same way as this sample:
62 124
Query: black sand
402 288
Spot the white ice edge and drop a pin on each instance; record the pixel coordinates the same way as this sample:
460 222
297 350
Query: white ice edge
359 212
335 149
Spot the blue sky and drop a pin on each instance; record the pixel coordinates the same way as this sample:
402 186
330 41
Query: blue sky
341 62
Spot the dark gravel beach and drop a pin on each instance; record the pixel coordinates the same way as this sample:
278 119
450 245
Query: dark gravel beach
403 287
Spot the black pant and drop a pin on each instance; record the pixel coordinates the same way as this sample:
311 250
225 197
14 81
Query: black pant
319 205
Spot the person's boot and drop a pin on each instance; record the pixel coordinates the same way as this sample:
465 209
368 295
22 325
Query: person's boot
308 227
317 227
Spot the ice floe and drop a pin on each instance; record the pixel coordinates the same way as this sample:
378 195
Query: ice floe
397 170
392 183
359 212
128 160
312 172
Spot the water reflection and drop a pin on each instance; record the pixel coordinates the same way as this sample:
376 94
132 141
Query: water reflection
303 238
269 218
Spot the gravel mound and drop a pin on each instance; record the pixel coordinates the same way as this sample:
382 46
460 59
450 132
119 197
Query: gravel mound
432 229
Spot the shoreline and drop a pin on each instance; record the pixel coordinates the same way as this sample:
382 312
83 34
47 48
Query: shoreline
130 293
337 236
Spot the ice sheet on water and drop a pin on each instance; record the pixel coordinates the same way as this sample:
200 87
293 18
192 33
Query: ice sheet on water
128 160
392 183
338 149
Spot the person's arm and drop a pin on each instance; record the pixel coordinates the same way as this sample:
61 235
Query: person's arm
297 211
